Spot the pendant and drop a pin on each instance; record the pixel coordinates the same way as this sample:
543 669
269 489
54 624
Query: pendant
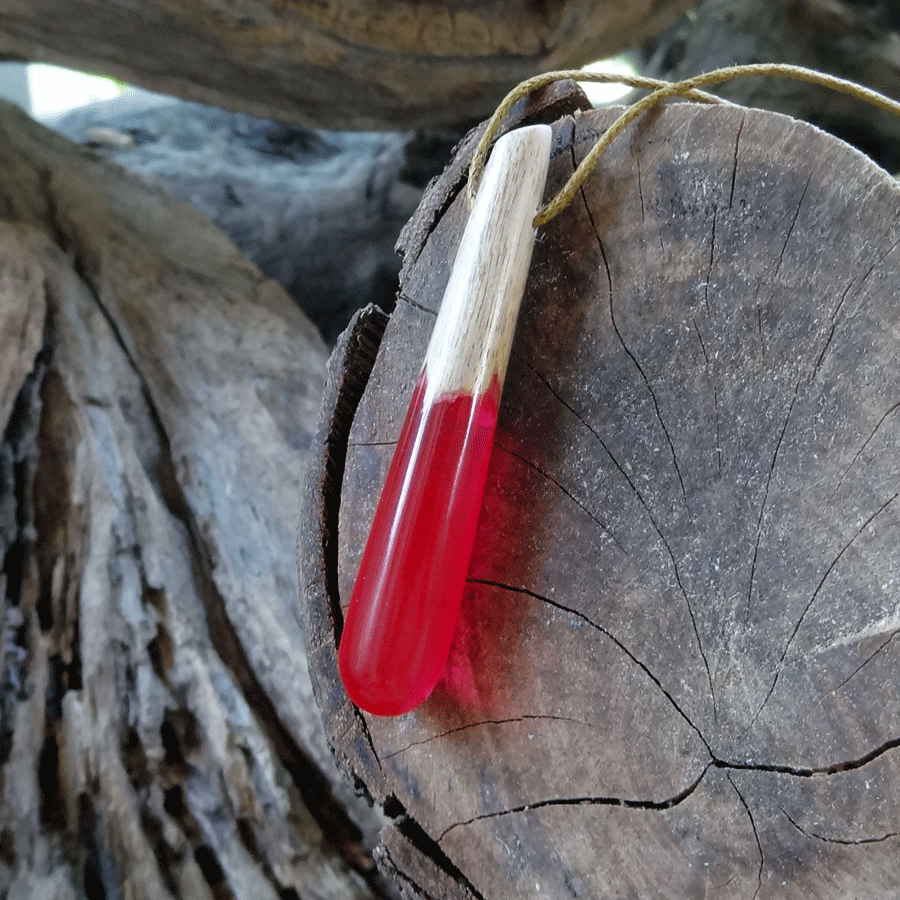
406 599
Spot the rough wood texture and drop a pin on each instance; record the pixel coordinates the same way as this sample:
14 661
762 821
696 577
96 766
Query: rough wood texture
158 737
333 64
854 40
676 666
318 212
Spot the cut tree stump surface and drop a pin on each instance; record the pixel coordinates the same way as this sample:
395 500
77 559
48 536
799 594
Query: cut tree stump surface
675 673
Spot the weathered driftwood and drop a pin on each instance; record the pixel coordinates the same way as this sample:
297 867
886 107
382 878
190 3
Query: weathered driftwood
854 40
333 64
158 737
675 672
319 212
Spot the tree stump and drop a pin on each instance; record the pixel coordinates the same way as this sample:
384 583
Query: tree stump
158 395
334 64
675 671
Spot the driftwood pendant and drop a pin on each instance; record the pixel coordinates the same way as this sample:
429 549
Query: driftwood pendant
406 600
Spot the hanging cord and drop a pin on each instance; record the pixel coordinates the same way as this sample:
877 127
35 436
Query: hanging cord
689 89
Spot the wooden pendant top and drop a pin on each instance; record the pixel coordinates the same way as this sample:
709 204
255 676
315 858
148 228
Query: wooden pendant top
472 337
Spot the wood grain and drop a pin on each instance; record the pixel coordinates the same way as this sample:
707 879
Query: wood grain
158 737
360 64
472 336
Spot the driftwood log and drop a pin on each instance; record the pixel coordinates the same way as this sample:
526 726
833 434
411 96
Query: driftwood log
332 64
158 737
676 669
318 212
853 40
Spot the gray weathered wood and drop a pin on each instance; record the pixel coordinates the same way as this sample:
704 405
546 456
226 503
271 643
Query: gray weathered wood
318 212
158 737
674 675
333 64
857 41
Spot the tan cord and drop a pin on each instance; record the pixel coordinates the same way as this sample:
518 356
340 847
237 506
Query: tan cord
521 90
689 89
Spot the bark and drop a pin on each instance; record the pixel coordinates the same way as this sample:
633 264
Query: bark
348 64
157 732
674 671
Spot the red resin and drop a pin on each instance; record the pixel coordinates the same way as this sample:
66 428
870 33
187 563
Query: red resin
405 603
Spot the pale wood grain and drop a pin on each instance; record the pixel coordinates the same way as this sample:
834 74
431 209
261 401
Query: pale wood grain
473 333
